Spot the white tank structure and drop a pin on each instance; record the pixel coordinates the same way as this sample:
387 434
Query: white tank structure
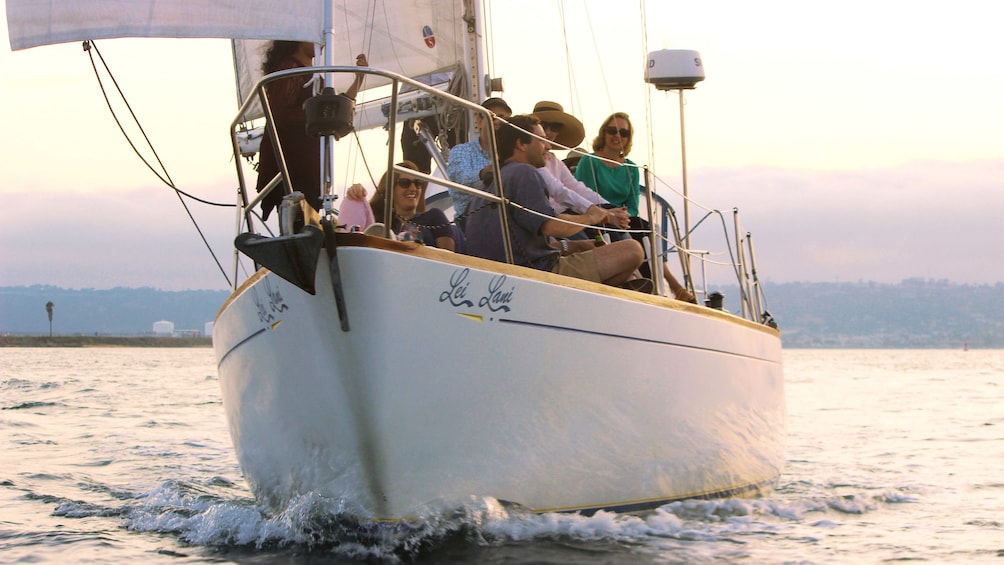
163 327
673 69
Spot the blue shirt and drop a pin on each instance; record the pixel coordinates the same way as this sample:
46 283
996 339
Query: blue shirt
464 167
524 186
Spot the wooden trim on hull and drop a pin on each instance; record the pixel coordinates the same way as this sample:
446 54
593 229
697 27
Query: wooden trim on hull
435 254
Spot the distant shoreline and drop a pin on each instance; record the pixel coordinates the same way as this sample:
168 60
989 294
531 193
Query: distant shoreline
102 341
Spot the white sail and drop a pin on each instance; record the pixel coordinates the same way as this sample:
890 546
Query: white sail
39 22
410 37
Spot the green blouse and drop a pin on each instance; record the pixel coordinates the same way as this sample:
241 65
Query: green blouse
618 185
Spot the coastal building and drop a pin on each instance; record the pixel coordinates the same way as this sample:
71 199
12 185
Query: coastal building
163 328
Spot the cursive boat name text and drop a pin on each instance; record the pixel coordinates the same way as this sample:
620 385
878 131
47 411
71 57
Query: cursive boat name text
275 305
496 297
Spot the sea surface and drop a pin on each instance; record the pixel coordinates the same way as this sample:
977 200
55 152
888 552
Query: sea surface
122 454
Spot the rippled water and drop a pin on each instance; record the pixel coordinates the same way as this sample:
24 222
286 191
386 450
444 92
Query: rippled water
123 454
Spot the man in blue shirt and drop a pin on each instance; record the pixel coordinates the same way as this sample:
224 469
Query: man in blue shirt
471 162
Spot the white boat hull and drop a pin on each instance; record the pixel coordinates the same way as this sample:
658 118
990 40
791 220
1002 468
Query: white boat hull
454 380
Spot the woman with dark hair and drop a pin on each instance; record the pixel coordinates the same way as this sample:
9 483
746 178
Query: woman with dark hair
609 172
411 221
285 98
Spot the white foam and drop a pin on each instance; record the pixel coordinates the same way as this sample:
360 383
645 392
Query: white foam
204 519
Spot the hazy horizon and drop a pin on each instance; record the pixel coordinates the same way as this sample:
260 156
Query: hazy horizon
884 225
848 155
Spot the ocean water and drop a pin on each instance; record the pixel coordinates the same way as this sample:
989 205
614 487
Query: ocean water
118 454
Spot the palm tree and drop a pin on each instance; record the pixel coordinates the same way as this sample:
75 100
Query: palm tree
48 310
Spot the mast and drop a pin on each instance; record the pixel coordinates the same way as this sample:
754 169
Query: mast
328 141
477 60
480 84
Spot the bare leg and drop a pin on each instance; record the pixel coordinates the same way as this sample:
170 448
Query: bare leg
447 243
617 261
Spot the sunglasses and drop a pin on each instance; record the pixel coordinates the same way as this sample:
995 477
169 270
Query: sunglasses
405 183
552 126
612 130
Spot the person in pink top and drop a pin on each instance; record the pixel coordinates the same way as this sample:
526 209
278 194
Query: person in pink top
411 221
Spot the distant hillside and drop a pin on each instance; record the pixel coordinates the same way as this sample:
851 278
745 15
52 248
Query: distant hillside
914 313
7 340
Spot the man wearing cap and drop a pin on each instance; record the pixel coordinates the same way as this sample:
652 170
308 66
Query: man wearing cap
564 190
471 162
532 222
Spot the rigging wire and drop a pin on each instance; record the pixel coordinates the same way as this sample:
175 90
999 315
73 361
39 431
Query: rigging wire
166 178
362 156
359 154
369 28
350 165
575 105
649 118
489 20
354 157
603 74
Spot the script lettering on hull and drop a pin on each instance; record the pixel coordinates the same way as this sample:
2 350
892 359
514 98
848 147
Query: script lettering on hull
271 304
495 295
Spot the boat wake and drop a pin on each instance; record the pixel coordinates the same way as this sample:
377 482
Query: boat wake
212 518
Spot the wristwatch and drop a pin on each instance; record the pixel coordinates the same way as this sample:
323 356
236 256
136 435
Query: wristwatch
564 246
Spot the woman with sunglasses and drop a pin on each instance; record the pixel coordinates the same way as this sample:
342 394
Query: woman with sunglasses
612 175
411 220
609 172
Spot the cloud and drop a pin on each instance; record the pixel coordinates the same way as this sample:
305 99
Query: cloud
927 219
133 238
936 220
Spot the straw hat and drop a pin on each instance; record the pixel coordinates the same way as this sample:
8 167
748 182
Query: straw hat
572 133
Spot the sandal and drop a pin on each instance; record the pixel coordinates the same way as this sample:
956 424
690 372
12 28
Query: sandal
684 295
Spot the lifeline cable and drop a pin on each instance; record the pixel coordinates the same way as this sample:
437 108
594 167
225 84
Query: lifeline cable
170 183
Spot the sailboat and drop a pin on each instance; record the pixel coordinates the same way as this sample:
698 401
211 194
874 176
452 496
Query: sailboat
393 377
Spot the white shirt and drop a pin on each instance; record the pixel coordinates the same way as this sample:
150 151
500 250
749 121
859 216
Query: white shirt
564 191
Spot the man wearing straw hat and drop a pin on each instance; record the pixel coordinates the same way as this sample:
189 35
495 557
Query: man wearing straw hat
565 192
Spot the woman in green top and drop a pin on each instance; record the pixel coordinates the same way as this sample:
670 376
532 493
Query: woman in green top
617 179
609 172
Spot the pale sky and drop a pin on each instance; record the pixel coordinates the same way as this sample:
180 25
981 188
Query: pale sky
861 140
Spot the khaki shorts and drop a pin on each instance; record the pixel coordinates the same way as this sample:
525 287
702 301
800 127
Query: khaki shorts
581 265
